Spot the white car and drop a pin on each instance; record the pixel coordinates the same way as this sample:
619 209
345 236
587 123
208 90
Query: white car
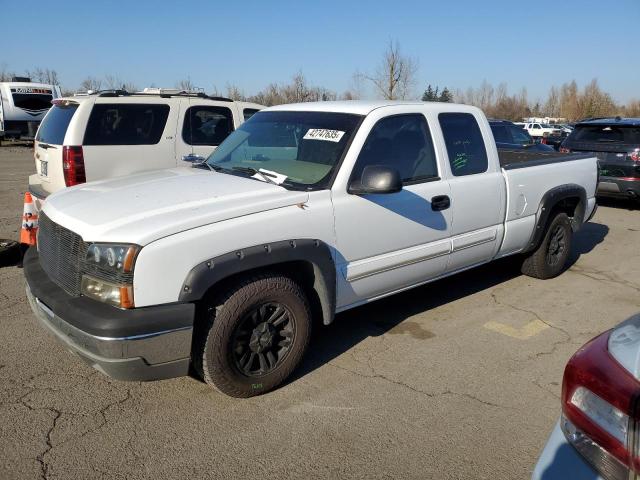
541 129
597 434
111 134
305 211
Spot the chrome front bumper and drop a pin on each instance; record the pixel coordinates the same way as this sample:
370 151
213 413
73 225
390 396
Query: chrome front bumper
151 356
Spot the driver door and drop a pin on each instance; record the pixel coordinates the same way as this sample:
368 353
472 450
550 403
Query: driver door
390 241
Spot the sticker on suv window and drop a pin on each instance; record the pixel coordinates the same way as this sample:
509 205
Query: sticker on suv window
323 134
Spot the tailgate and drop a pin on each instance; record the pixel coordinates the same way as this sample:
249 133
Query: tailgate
49 166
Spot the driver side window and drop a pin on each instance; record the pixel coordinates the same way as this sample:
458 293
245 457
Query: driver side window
402 142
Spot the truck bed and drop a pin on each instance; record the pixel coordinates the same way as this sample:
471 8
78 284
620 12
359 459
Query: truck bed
512 159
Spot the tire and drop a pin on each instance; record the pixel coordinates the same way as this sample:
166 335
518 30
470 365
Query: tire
255 336
550 258
10 252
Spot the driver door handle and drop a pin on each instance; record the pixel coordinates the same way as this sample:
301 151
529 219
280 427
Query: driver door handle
440 202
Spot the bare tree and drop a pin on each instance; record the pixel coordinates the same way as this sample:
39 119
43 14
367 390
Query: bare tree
594 102
632 109
43 75
91 83
395 77
234 92
186 85
552 105
116 83
5 74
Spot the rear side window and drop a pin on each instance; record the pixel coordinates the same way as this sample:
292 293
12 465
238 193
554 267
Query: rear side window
402 142
249 112
607 134
126 124
54 125
500 134
520 135
207 125
465 146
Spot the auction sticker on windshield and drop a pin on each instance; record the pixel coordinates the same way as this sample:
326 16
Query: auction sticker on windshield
323 134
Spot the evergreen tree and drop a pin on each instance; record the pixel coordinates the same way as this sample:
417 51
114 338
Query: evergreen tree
445 96
428 95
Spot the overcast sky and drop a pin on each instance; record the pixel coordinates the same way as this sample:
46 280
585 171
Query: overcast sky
458 43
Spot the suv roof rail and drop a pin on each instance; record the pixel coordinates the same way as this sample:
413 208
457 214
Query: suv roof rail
157 92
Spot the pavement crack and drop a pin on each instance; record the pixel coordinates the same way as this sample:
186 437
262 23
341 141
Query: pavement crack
44 466
555 395
385 378
567 336
600 276
415 390
472 397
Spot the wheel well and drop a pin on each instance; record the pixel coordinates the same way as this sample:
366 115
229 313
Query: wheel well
574 209
300 271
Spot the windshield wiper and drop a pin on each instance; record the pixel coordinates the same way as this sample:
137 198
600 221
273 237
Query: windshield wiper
252 171
202 165
608 140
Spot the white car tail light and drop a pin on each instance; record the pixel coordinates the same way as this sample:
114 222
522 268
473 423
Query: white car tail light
599 417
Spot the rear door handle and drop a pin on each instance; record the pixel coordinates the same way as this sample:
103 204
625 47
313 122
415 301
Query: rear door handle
440 202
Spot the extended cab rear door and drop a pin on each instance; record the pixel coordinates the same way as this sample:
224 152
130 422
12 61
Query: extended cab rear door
390 241
128 135
478 189
203 125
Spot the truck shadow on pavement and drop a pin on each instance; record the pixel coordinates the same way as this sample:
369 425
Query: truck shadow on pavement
387 315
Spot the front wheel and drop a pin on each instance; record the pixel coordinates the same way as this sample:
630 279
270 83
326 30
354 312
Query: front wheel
550 258
256 336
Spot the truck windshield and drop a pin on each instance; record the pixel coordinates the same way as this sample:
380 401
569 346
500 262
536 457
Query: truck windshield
306 147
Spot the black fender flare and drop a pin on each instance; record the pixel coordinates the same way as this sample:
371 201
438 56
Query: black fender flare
547 204
315 252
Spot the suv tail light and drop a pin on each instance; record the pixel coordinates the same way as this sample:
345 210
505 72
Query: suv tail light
73 166
635 155
599 415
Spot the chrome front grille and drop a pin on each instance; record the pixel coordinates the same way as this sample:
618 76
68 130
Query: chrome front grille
61 253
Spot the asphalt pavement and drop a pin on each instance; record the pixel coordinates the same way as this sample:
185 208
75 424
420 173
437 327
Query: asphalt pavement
456 379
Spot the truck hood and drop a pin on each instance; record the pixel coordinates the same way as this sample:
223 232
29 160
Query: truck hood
145 207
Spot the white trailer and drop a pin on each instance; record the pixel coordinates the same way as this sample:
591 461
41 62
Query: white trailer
23 105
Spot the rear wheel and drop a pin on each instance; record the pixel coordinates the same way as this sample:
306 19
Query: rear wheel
550 258
255 336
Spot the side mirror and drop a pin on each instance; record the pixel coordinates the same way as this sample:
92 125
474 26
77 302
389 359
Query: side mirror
377 179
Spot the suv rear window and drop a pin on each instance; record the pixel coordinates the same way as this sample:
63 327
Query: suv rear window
126 124
627 134
54 125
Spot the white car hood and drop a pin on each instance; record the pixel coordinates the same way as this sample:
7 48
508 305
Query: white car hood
145 207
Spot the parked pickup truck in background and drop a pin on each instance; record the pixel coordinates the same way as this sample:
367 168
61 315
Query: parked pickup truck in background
542 130
305 211
114 133
616 143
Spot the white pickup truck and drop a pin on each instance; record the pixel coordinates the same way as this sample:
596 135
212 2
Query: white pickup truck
541 129
304 211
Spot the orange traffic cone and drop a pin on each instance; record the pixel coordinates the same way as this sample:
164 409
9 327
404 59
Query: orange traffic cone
29 221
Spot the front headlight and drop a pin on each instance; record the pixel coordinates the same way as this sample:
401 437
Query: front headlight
108 273
111 257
